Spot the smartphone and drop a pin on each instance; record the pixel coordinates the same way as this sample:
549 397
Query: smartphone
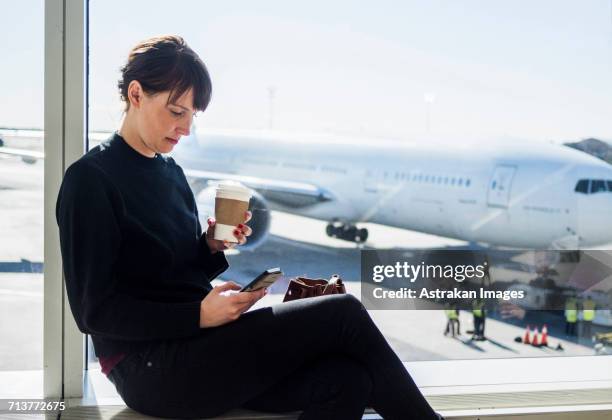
265 279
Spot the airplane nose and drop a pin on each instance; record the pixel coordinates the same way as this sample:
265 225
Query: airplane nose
594 211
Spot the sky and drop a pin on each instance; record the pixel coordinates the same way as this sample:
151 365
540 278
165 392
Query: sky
394 69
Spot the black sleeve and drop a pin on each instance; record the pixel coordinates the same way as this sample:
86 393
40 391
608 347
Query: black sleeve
212 264
87 211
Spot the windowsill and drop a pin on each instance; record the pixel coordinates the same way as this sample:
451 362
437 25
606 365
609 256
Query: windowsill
546 371
456 400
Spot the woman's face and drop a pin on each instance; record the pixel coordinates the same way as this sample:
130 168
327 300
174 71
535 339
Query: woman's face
160 124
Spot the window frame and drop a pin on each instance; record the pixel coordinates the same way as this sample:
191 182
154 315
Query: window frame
66 45
65 128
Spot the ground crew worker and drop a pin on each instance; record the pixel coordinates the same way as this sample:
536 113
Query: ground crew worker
452 316
478 310
571 315
588 313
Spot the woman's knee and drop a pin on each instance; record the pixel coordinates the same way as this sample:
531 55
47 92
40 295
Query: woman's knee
345 302
351 300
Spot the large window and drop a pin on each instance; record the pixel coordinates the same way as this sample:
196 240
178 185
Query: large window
409 125
21 197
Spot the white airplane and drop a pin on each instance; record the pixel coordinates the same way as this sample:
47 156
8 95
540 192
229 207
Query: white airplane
28 156
530 195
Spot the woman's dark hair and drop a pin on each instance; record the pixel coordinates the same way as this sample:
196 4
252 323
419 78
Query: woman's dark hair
166 63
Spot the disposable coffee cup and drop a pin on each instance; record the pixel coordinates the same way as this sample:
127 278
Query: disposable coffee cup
231 203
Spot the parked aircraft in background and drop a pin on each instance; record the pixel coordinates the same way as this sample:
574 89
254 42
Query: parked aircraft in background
525 195
531 195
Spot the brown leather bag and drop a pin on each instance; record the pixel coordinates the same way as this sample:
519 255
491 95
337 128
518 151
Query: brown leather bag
304 287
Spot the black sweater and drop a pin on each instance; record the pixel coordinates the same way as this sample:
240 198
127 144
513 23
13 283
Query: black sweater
136 263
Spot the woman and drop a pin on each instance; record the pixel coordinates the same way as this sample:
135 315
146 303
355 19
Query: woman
138 271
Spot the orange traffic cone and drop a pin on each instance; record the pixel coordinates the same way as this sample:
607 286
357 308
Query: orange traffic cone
526 339
535 341
544 336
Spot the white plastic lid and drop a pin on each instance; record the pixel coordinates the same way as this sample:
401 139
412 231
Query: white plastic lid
233 186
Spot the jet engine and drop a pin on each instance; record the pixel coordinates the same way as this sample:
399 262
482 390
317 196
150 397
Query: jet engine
260 222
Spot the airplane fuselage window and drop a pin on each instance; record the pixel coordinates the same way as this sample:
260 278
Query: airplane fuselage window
252 161
335 169
438 179
542 209
298 165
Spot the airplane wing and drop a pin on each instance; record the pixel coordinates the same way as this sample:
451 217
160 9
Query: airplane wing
288 193
29 156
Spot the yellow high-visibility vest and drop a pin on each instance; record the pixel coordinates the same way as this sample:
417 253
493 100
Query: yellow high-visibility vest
571 312
588 310
477 308
451 313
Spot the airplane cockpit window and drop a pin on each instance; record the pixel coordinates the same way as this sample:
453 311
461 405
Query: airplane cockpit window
582 186
593 186
598 185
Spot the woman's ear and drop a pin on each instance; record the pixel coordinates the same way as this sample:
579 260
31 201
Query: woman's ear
135 93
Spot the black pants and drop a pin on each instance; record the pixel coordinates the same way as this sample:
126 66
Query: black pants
322 355
586 329
450 327
479 326
570 328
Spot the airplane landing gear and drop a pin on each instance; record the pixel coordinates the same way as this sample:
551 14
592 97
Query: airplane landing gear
346 231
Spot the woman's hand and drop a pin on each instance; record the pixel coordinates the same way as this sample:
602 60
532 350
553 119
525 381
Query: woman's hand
241 232
218 309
